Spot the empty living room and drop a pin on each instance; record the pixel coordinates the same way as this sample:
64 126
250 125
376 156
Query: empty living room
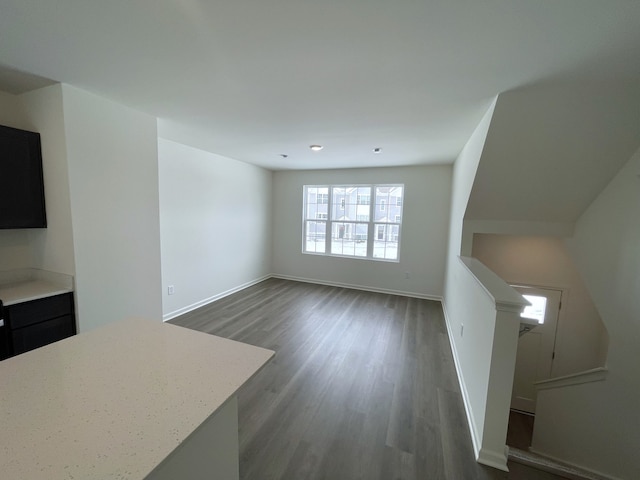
319 240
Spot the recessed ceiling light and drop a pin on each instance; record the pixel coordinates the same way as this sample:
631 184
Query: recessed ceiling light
377 150
316 148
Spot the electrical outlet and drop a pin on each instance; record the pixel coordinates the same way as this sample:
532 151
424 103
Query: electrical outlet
462 330
171 290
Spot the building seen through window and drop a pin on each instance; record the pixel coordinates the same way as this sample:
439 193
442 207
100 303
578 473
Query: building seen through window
343 220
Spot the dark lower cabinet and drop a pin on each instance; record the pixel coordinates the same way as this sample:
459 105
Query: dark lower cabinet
5 346
43 333
29 325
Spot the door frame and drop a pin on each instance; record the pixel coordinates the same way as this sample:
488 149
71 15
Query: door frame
564 292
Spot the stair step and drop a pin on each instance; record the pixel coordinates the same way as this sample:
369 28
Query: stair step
548 465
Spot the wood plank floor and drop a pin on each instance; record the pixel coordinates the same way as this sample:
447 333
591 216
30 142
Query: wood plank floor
520 430
363 386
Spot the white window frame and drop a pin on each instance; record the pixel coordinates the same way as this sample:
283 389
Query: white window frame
372 224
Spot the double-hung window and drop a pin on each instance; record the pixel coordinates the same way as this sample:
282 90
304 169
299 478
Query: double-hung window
362 221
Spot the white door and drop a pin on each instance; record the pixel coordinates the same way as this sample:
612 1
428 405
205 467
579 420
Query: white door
535 348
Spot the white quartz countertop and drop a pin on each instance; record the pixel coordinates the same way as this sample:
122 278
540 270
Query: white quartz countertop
114 402
11 294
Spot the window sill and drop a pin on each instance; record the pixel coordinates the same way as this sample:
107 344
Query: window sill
334 255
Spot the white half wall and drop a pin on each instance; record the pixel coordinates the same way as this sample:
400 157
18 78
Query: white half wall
113 179
582 339
596 425
423 240
215 224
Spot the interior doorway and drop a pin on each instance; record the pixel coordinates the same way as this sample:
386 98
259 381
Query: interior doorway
536 349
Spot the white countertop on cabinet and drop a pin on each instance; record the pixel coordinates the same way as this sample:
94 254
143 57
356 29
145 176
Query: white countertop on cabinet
24 285
30 290
114 402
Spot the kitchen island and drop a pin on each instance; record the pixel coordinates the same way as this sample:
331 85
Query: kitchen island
136 399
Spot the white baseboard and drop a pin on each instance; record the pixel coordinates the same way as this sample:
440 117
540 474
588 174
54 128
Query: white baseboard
206 301
359 287
597 475
494 459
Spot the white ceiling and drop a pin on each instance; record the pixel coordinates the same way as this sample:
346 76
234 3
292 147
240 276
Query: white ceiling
252 79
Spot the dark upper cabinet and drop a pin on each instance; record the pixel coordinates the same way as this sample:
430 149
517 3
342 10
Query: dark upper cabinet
21 180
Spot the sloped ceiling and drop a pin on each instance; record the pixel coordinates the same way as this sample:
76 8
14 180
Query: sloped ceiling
551 149
253 79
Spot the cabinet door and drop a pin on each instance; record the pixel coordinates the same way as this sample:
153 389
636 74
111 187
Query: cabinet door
5 348
43 333
36 311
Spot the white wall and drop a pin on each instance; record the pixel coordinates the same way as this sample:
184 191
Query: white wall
597 425
12 113
465 303
582 340
454 301
113 177
52 248
48 248
423 240
216 225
